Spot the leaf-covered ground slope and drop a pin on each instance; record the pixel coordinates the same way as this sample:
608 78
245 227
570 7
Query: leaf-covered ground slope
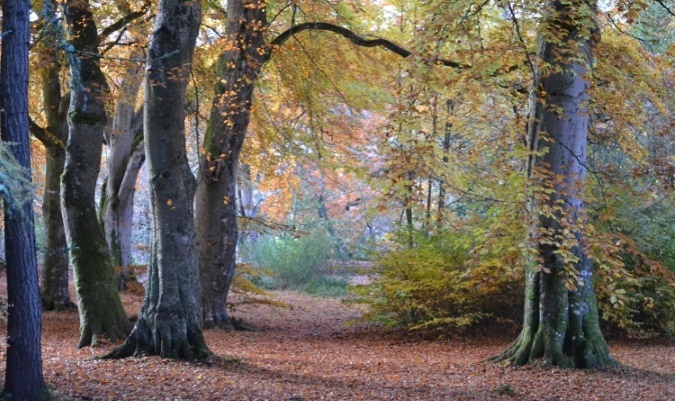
308 352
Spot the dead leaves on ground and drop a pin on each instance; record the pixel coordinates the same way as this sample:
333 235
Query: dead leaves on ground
309 352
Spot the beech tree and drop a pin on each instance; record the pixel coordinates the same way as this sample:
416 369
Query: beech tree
23 374
125 159
170 320
561 324
99 305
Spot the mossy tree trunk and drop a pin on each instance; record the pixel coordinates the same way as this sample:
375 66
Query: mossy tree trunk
23 374
561 326
170 321
100 308
215 203
54 282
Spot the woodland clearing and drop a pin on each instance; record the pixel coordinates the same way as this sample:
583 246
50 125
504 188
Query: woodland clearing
313 351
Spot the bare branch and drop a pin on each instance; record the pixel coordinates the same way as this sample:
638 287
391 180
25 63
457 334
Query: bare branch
124 21
47 138
665 7
357 40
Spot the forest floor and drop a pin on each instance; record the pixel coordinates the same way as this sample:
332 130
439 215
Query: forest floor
312 352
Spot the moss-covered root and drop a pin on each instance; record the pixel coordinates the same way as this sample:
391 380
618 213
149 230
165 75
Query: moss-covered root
547 349
167 338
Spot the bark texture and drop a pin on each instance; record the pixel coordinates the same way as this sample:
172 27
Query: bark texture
100 308
54 283
561 326
23 374
170 321
215 202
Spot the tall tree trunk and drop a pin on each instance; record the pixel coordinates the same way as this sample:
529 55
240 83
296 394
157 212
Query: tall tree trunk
216 206
125 160
100 308
561 324
170 321
23 374
54 281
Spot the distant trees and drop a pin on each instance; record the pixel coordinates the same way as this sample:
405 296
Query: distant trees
23 374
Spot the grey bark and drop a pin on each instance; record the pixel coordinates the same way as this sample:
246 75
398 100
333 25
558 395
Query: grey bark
125 159
23 375
99 305
215 202
170 321
561 326
54 281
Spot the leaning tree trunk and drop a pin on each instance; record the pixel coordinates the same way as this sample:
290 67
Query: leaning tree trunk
561 326
54 281
170 321
215 203
23 374
125 160
100 308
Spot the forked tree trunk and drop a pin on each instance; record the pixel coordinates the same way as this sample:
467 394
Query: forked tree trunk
23 374
54 280
561 326
126 157
170 321
100 308
216 205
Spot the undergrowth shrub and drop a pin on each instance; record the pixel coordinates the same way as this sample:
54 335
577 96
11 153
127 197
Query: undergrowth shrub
297 263
636 296
455 281
437 284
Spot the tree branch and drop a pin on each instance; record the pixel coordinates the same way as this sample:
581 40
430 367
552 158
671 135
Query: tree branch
357 40
47 138
668 10
122 22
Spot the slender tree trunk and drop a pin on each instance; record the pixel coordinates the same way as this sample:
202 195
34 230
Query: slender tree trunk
247 208
216 206
23 374
561 326
55 295
100 308
446 148
54 282
170 321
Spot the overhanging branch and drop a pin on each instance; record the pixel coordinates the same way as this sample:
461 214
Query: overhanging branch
357 40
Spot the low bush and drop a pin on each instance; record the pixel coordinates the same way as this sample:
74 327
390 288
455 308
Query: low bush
438 285
299 263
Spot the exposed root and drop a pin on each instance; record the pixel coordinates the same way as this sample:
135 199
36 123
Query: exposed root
167 338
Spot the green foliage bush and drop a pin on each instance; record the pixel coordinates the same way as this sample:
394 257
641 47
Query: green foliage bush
297 263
